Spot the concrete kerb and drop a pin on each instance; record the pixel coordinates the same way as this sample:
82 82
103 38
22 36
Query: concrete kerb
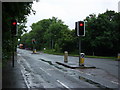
74 66
35 53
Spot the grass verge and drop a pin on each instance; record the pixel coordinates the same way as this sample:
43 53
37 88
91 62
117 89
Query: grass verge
52 51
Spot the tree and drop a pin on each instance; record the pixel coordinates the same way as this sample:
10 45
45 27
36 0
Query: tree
54 33
48 33
101 33
12 10
100 38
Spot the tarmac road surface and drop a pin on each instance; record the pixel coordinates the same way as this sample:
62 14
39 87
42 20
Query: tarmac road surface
41 71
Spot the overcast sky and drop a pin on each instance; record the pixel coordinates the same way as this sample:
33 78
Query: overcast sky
69 11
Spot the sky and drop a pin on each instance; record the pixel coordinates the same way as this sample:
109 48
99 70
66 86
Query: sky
69 11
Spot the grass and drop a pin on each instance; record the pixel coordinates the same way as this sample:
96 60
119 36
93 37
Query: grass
52 51
104 57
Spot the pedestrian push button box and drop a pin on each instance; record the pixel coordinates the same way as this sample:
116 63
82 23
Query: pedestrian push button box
82 55
82 58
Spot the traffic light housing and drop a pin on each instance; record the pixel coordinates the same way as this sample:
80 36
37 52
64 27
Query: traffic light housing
80 28
13 27
76 28
33 41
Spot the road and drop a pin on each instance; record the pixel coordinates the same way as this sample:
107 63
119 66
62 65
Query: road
41 71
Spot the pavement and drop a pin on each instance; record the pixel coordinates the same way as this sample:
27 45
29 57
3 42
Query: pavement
12 77
73 65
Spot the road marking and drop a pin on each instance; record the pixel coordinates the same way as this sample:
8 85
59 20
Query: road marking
81 72
63 84
45 71
18 54
114 82
23 74
88 74
50 69
25 79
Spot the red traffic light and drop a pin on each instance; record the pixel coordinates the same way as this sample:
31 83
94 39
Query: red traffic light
33 40
14 27
80 28
14 23
81 24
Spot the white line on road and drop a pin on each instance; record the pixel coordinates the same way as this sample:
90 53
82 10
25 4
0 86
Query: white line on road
50 69
63 84
23 74
114 82
25 80
88 74
45 71
81 72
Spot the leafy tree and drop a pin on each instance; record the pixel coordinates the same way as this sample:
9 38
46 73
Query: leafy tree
101 37
12 10
101 33
48 33
55 33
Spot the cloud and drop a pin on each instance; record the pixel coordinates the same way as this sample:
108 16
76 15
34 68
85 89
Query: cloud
70 11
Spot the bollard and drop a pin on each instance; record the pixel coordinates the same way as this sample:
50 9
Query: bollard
66 57
44 48
34 50
82 59
118 56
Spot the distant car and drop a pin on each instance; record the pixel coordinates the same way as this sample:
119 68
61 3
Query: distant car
28 48
21 46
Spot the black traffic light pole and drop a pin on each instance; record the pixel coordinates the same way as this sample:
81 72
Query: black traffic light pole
79 50
13 51
33 43
80 31
13 32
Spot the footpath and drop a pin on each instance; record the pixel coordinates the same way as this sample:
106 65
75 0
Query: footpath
12 77
73 65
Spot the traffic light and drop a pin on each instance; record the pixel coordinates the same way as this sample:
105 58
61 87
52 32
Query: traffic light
13 27
80 28
76 28
33 41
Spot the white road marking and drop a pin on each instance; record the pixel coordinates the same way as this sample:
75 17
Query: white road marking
50 69
25 79
81 72
23 71
63 84
88 74
45 71
23 75
114 82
